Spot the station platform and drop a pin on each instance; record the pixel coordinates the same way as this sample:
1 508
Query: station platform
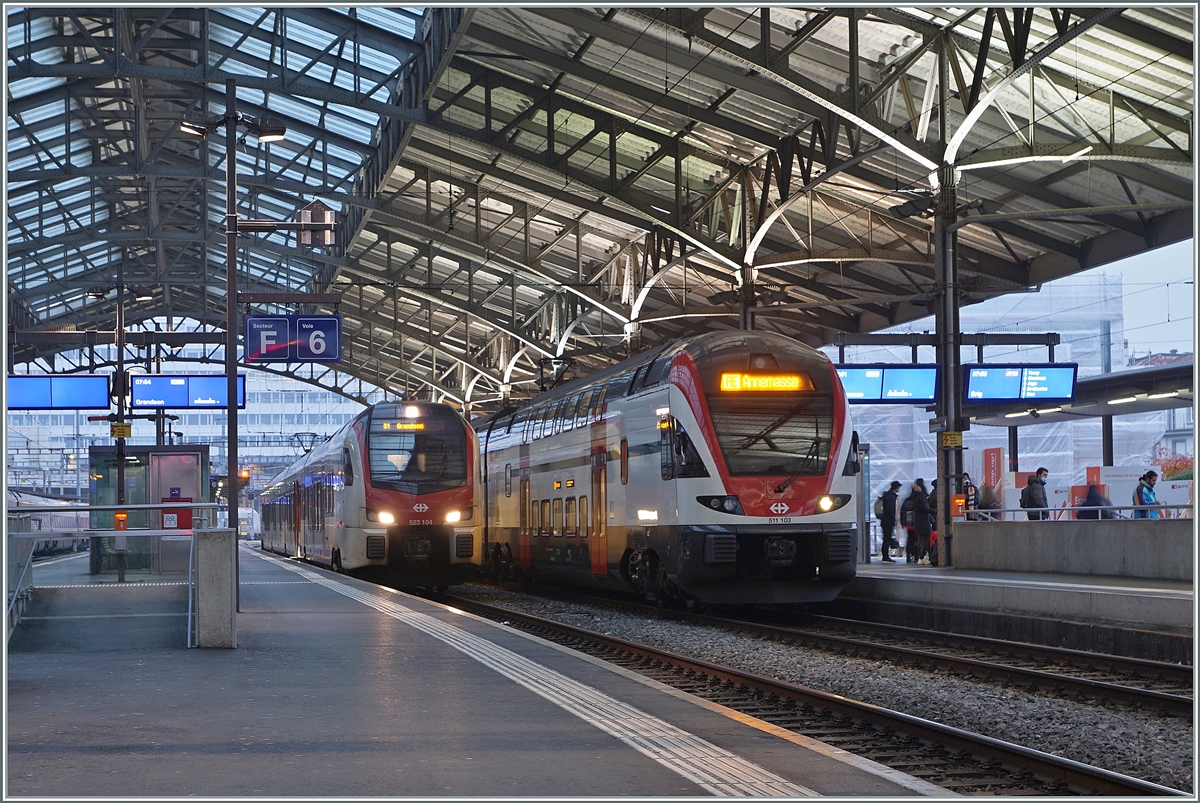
1124 616
341 688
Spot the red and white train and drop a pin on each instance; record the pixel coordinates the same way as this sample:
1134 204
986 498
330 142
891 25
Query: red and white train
718 469
381 497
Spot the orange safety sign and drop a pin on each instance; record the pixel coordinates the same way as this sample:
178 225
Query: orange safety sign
120 520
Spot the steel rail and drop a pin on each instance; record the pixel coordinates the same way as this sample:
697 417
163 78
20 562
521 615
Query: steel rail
1080 778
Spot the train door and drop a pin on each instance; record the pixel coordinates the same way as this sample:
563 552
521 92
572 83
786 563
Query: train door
598 548
297 521
523 537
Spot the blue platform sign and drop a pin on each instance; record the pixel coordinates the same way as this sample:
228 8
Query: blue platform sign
319 338
267 338
292 338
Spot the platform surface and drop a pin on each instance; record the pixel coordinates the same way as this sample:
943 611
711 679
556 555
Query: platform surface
1133 602
341 688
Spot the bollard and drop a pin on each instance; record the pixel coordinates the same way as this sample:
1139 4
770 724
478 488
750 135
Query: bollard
216 591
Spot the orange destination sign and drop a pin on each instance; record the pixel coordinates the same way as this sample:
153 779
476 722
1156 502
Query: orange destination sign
765 382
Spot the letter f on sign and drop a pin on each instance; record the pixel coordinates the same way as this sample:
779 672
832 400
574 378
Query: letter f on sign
266 339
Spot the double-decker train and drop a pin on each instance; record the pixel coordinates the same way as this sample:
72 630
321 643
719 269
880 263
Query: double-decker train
718 469
66 520
379 498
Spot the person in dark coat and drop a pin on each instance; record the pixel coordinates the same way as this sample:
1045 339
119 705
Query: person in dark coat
888 521
1036 486
970 497
1093 505
918 538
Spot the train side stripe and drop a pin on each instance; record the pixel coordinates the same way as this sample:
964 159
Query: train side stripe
713 768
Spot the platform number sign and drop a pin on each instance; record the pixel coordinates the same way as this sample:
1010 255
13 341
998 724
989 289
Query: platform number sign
292 338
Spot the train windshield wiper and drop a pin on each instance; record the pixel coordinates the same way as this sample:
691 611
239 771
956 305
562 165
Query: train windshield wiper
814 450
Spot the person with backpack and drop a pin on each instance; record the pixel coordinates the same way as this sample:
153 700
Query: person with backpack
1033 497
886 508
932 553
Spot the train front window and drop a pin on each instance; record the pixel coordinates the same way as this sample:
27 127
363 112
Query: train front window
773 435
418 455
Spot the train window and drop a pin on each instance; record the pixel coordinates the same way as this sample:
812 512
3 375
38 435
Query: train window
581 412
598 404
666 447
624 461
556 518
618 385
556 416
534 518
568 413
570 526
583 517
639 375
545 523
508 479
524 506
347 468
537 417
657 369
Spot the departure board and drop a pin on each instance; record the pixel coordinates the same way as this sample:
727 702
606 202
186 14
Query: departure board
1048 382
183 391
889 384
57 392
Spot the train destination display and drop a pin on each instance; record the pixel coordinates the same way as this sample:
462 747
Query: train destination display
1049 382
183 391
889 384
58 392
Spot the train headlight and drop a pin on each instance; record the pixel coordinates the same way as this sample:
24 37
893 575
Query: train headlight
453 517
723 504
381 516
830 502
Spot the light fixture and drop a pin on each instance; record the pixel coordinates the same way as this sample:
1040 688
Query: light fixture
914 207
1016 415
142 294
1169 395
1124 400
265 129
1048 410
194 127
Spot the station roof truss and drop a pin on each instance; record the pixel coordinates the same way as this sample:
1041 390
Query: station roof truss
527 190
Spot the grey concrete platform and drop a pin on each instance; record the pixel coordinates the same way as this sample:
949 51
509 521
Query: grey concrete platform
341 688
1125 616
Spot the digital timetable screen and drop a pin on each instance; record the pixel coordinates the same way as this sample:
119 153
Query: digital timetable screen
1050 382
57 392
889 384
183 391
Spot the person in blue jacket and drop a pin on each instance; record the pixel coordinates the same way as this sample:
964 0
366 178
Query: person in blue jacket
1143 494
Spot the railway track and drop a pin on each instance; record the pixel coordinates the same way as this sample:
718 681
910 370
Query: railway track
1073 674
957 760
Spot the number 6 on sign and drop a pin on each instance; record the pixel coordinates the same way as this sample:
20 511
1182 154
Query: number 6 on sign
320 338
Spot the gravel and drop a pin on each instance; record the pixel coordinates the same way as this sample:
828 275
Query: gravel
1135 743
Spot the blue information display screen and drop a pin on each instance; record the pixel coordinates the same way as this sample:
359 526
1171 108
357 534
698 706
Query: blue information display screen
916 383
889 384
58 392
183 391
993 383
1042 383
861 383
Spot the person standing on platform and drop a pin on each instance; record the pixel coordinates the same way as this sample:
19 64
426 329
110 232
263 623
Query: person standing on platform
971 496
1034 496
932 552
1144 494
1094 504
887 522
917 549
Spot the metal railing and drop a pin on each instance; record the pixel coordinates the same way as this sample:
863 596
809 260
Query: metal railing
19 531
1071 513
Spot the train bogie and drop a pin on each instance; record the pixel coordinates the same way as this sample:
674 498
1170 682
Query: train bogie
656 478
